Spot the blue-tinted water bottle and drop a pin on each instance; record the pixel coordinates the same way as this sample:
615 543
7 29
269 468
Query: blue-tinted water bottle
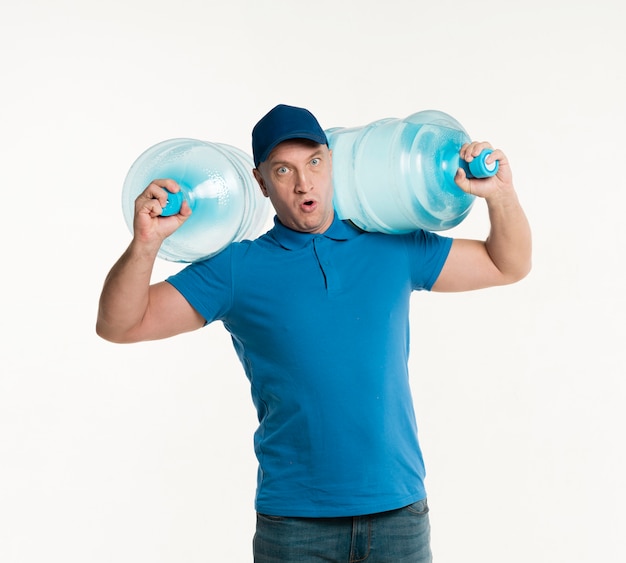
216 181
397 175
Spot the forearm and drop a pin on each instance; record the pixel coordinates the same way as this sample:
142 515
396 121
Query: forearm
505 257
509 243
125 295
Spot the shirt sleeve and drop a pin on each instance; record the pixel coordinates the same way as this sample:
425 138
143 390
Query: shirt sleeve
428 254
207 285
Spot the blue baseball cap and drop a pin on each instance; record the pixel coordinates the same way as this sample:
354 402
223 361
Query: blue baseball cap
281 124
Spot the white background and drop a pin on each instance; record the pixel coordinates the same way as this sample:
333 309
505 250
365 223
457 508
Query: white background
143 453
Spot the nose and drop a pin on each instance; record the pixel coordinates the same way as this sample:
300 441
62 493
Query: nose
303 184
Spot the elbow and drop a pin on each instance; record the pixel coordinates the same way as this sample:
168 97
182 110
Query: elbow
518 274
108 333
526 266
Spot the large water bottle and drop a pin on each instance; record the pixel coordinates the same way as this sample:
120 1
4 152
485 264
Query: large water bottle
397 175
216 181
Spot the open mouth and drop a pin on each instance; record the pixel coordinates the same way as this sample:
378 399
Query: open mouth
308 205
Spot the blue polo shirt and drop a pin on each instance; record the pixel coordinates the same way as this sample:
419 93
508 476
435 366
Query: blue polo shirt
320 323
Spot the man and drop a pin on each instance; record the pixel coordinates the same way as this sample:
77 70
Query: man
318 312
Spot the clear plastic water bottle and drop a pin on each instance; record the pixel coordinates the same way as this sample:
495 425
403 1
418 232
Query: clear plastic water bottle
397 175
216 181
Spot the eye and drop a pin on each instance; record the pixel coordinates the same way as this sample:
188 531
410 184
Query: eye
282 170
316 161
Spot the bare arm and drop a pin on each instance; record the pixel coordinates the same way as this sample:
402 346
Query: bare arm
131 309
505 257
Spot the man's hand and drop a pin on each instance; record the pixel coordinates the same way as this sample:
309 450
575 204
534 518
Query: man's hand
501 183
149 227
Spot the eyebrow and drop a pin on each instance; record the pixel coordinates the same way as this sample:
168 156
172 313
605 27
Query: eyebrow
316 153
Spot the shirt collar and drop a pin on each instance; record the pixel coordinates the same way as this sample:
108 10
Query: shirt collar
293 240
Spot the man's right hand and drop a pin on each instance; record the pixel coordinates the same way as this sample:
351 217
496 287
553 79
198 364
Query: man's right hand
149 227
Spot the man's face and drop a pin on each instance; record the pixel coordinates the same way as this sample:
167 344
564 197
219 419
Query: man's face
297 177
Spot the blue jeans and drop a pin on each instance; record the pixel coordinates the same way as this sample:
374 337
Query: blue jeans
397 536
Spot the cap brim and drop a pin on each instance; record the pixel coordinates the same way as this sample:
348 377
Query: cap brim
292 135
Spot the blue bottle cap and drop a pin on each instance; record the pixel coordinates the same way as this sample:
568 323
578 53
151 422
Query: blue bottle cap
174 202
480 169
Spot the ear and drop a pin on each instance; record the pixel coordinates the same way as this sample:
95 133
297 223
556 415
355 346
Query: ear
259 178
